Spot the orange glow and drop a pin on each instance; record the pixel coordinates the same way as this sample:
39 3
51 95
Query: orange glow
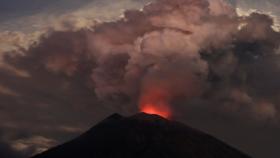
156 109
155 100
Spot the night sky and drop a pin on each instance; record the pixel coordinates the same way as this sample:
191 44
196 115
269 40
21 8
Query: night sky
65 65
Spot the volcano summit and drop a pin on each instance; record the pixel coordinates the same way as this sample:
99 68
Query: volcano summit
143 136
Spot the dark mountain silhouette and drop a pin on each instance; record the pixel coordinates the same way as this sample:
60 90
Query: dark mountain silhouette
143 136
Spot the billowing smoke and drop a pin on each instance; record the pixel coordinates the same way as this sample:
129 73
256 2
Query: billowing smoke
153 55
172 52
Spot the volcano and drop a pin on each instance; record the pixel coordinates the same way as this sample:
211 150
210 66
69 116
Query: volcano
143 136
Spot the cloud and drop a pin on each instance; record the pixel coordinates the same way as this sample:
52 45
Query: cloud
16 41
22 28
166 46
6 151
245 7
33 145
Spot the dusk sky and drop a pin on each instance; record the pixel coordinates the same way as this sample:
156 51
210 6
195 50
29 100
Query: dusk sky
67 64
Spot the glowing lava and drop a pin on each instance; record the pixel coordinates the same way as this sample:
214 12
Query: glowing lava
155 99
160 110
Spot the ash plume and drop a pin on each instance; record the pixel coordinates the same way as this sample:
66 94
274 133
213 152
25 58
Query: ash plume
171 52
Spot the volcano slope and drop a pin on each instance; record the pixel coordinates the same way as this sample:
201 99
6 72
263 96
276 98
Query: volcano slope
143 136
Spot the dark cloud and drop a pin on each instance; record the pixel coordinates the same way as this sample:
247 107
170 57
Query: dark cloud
17 8
35 16
6 151
212 66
